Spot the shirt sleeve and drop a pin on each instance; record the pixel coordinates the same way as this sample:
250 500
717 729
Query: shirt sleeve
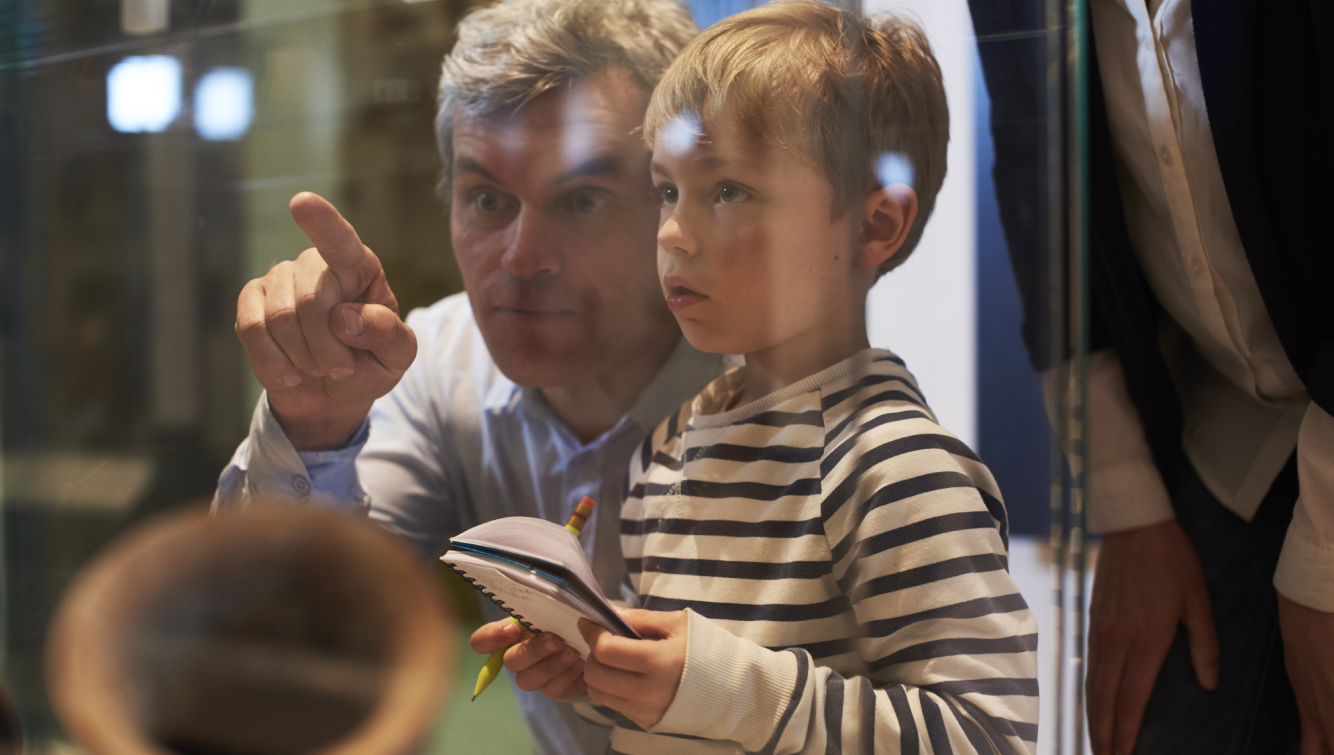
1305 571
401 469
267 467
1126 490
947 661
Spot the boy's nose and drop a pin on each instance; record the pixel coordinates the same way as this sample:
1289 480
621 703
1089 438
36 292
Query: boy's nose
530 249
673 236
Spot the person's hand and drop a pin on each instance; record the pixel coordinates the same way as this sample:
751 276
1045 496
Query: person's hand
1308 647
322 333
1148 580
637 678
539 662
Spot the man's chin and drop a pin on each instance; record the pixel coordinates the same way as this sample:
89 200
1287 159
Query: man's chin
535 363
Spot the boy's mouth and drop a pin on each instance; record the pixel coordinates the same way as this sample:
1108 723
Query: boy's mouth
680 296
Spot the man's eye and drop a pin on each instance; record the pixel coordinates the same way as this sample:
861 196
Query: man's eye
587 201
731 195
488 201
669 194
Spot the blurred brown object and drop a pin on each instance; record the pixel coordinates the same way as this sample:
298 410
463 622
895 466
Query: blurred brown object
272 631
11 737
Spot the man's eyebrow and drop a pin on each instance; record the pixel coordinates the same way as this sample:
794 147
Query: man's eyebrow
603 165
469 165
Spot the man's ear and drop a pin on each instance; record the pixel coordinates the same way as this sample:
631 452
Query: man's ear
887 216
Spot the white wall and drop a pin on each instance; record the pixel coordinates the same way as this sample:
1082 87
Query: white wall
925 311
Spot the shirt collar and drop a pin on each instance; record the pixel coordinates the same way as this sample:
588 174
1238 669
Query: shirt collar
684 374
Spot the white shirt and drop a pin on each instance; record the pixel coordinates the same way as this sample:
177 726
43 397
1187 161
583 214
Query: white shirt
457 443
1245 408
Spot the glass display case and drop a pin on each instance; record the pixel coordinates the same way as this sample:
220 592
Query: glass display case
150 148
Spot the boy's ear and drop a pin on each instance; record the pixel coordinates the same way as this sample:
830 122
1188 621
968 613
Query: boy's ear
887 215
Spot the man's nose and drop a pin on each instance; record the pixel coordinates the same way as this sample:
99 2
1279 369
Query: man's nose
531 248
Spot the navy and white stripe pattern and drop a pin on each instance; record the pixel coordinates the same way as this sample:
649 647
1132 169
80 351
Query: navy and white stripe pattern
855 550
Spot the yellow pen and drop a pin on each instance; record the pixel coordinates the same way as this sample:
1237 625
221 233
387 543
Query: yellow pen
494 663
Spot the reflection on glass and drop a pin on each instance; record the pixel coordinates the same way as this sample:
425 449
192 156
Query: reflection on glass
144 93
224 104
126 233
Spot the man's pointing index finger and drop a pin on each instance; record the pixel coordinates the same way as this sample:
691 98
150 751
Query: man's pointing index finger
337 242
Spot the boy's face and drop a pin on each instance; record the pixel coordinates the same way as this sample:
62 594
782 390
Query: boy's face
750 257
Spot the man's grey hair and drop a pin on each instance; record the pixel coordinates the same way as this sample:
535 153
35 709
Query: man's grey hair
510 53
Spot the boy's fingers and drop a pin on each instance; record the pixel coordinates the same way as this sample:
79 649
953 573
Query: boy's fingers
609 700
654 624
493 636
569 683
617 681
529 653
620 652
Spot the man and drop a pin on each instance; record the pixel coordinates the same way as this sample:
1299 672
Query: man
534 388
1211 383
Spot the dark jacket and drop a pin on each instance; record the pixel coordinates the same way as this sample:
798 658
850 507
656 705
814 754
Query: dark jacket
1267 70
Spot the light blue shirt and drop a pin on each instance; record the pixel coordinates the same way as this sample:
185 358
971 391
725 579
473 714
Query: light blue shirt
457 443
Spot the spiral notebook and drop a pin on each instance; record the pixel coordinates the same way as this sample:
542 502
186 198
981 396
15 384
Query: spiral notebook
536 571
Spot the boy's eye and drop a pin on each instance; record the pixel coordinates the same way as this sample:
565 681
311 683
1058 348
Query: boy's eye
669 194
729 194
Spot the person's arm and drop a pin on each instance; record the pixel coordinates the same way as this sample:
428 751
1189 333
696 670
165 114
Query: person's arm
948 661
1305 582
1148 579
267 467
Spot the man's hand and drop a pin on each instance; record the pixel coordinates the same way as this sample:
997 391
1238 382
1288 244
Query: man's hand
637 678
1148 580
322 333
539 662
1308 646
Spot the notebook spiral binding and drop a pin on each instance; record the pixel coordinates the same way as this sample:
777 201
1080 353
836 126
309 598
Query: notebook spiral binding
492 597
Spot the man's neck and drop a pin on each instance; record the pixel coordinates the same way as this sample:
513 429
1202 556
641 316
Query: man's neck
593 406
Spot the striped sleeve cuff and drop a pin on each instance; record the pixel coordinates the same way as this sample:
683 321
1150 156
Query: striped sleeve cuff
731 688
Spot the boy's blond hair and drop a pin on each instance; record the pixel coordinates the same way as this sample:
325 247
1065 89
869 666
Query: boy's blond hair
854 95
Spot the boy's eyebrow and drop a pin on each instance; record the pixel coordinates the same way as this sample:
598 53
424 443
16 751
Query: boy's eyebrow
706 161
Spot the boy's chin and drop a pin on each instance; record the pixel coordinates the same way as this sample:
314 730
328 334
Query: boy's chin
707 340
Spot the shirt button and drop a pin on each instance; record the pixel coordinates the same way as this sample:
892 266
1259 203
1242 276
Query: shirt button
301 484
1165 155
1197 265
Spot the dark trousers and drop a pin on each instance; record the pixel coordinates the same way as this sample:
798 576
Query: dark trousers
1253 709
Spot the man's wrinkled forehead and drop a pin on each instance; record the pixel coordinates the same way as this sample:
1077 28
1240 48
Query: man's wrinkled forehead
593 122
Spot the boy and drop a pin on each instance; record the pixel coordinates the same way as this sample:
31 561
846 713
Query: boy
807 502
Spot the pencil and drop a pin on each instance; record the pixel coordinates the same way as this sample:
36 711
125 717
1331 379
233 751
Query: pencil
494 663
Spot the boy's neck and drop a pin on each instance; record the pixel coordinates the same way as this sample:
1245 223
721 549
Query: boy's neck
774 369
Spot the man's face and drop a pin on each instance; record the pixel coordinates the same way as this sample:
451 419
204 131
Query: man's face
554 221
751 258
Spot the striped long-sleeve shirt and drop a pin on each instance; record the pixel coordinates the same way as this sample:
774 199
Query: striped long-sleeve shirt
842 560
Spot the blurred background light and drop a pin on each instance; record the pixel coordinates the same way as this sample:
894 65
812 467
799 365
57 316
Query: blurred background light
144 93
224 104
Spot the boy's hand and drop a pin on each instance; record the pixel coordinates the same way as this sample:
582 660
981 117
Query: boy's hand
539 662
637 678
